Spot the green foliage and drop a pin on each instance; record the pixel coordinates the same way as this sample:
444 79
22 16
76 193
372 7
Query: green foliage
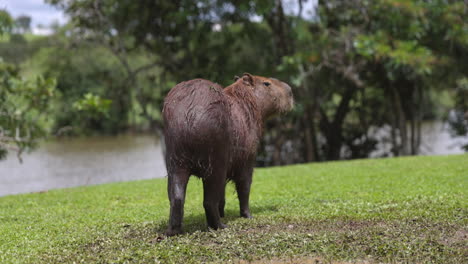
85 75
6 22
458 119
399 53
406 210
23 104
93 104
23 24
356 66
23 107
365 64
14 45
16 50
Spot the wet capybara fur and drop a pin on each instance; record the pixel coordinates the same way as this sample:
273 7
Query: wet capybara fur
213 133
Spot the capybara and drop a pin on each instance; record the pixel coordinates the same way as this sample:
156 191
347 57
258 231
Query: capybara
213 133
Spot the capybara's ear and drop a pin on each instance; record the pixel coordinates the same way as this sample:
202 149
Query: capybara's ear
236 78
248 79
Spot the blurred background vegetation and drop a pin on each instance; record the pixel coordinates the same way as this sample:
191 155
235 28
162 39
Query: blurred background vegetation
364 73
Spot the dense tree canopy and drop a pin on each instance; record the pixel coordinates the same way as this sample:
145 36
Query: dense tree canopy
365 74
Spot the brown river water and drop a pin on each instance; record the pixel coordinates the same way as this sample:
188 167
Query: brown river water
83 161
72 162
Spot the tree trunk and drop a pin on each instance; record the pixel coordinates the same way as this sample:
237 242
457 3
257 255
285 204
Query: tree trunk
402 148
413 134
309 146
419 115
334 141
333 130
278 22
310 136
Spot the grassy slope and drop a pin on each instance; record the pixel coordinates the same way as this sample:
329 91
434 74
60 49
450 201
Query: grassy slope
27 36
406 209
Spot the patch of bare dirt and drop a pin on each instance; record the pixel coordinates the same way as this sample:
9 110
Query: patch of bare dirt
309 260
460 236
316 227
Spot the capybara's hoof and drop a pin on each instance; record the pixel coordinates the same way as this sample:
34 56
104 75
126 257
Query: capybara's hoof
173 232
217 227
246 215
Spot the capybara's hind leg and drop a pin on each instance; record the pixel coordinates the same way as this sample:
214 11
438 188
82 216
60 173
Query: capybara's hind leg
176 188
213 194
222 203
243 192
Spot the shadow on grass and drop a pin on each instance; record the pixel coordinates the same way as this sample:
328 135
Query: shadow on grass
193 223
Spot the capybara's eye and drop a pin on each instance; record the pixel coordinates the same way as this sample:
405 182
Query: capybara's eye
266 84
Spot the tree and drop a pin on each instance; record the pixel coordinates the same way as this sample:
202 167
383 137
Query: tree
23 104
23 24
458 118
365 64
357 67
179 40
89 85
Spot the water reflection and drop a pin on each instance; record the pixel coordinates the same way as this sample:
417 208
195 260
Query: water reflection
436 139
83 161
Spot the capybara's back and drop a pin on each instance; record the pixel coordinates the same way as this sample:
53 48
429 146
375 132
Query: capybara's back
196 125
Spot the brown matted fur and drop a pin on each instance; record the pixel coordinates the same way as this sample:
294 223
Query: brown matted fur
213 133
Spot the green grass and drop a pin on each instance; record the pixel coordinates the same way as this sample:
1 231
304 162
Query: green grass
411 209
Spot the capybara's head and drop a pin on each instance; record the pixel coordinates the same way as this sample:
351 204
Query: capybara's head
273 95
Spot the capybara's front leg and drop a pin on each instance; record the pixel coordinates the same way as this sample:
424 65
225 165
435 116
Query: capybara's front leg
213 194
243 192
176 188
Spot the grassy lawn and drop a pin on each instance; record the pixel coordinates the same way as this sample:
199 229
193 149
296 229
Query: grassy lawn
411 209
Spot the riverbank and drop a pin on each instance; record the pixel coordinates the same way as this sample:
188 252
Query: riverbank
77 161
382 210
